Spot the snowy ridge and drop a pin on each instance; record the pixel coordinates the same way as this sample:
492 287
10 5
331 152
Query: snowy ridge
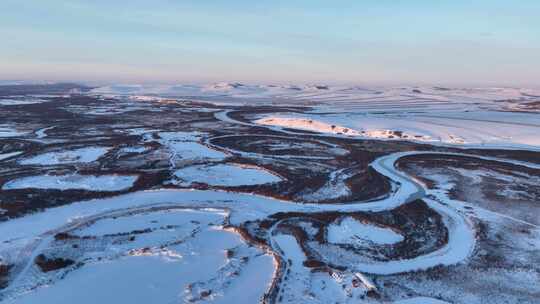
322 92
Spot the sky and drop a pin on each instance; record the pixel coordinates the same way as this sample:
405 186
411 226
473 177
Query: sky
461 42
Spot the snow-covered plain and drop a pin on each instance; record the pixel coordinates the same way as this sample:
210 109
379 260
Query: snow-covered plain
166 245
183 256
185 147
8 131
20 101
80 155
450 116
73 181
326 93
224 175
481 128
349 231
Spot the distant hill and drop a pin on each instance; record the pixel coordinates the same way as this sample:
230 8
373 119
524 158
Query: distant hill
53 88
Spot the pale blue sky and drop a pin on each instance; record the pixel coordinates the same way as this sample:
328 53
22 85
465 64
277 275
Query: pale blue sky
485 42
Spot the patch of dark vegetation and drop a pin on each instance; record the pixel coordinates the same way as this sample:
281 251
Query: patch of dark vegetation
368 185
134 232
520 155
50 264
62 236
374 294
4 273
313 264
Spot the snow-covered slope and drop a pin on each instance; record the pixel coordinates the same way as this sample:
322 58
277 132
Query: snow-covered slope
326 93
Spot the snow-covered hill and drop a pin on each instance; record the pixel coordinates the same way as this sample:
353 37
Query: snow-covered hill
325 93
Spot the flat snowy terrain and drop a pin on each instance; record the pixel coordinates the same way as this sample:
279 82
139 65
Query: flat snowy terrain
82 155
350 230
224 175
73 181
237 193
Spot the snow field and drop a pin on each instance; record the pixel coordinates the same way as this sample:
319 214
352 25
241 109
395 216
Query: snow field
224 175
349 230
80 155
73 181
